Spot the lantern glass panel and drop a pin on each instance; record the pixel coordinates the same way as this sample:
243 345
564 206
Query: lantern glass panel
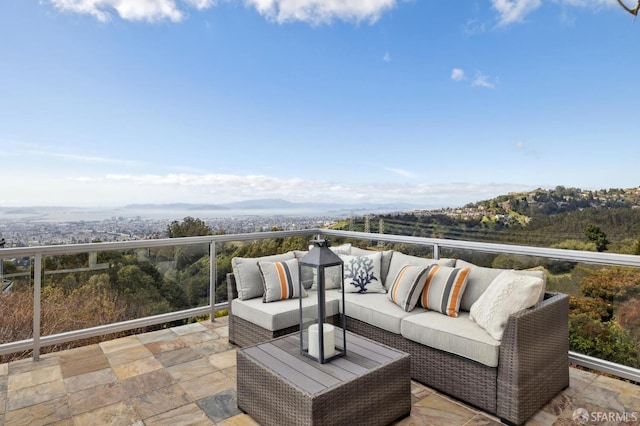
321 338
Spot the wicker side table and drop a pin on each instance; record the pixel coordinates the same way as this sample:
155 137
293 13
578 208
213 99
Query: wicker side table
277 386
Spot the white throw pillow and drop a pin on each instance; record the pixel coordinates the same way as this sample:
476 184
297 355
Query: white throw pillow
507 294
362 273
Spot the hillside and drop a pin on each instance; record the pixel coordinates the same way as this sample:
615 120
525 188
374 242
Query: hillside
539 218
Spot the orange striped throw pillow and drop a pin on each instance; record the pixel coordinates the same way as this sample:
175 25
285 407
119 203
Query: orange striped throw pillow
281 280
443 289
407 287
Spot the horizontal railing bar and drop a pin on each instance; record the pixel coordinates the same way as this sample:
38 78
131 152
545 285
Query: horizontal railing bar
17 274
101 330
605 366
100 267
129 245
513 249
17 346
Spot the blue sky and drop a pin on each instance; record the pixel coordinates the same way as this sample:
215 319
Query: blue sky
437 103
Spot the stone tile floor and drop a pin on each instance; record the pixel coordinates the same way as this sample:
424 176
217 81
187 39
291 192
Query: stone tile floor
186 376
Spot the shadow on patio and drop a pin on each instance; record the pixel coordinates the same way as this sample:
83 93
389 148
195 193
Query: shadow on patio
186 376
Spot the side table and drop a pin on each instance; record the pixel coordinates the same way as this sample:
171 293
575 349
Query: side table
278 386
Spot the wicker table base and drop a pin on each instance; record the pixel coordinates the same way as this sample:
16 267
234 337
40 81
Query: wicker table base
277 386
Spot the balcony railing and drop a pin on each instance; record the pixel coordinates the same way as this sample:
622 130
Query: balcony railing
434 246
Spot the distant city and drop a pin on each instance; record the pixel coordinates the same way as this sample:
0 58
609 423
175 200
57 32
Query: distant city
25 232
47 225
34 226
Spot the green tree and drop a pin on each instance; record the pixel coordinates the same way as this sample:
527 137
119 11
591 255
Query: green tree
605 340
141 290
9 267
605 321
189 227
191 286
594 234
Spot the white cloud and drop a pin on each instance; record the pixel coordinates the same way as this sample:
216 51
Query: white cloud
511 11
37 151
400 172
191 186
594 3
482 80
201 4
514 11
93 159
322 11
310 11
131 10
122 189
526 149
473 27
457 74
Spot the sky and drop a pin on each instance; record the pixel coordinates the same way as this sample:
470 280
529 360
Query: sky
434 103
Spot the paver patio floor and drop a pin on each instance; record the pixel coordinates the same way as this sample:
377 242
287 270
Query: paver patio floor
187 376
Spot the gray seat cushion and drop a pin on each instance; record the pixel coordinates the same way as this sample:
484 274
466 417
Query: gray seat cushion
460 336
281 314
375 309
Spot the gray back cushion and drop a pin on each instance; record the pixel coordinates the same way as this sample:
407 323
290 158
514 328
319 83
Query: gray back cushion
399 260
480 278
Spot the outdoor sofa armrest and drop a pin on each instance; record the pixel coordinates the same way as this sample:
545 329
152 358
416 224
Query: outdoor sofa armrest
534 358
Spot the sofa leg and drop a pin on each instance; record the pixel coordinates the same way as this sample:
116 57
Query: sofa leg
507 422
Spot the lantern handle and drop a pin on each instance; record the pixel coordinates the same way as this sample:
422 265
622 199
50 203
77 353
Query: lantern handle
320 242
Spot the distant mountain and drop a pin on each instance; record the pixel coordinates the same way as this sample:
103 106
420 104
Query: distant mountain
264 204
176 206
275 204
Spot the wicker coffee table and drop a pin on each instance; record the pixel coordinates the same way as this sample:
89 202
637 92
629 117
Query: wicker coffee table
278 386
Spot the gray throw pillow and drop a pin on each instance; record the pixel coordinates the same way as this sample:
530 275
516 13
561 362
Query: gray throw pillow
247 274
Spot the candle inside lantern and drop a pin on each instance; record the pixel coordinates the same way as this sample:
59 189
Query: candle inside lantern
314 341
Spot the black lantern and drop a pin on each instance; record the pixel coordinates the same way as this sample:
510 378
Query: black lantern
320 340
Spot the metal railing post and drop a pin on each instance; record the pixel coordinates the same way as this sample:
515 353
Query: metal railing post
436 251
37 308
212 279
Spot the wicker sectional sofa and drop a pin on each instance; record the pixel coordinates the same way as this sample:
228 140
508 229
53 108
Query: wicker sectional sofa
510 378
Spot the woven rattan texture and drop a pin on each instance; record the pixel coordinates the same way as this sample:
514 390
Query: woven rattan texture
376 398
532 369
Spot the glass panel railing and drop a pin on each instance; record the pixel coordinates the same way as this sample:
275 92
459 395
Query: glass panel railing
111 283
604 304
95 288
225 251
98 288
604 317
16 302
